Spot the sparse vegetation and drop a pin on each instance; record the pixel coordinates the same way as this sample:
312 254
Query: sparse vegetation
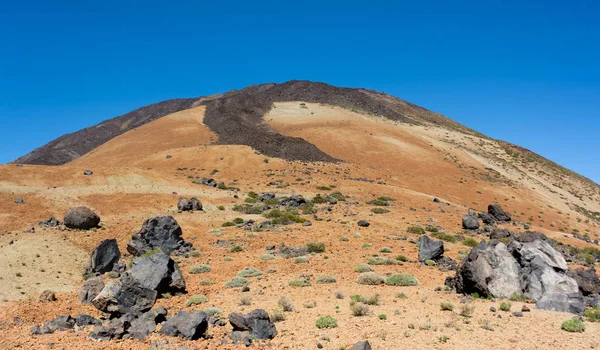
285 304
401 280
300 283
315 247
237 282
197 269
505 306
326 279
573 325
326 322
370 278
381 261
196 300
250 272
416 230
447 306
277 316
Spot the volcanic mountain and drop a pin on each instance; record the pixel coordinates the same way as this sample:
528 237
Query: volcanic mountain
359 155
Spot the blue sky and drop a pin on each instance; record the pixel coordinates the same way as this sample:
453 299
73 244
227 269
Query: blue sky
523 71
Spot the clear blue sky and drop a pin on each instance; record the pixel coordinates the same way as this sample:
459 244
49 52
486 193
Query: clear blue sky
527 72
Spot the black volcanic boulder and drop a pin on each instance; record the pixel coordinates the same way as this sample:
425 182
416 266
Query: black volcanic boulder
105 256
256 323
196 204
470 222
161 232
534 269
500 233
498 213
186 325
138 288
81 218
430 249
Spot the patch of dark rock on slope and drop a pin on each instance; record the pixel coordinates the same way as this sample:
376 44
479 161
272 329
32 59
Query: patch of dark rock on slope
237 116
72 146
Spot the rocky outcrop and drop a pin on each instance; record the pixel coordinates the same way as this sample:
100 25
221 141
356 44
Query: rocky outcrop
534 269
161 232
138 288
587 280
361 345
50 222
430 249
81 218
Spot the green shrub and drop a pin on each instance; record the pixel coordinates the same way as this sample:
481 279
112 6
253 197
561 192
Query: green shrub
382 317
323 188
363 268
286 304
402 279
238 221
206 282
378 202
573 325
236 282
517 297
326 322
267 256
385 250
429 262
360 309
251 200
248 209
227 224
315 247
378 260
196 269
588 258
444 237
326 279
227 258
505 306
386 199
212 311
250 272
344 239
431 228
370 300
220 207
301 260
447 306
196 300
402 258
416 230
379 211
370 278
592 314
300 283
236 249
340 197
470 242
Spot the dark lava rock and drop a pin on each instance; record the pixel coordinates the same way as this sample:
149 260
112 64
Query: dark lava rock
105 256
51 222
498 213
115 329
525 308
157 272
19 201
364 223
83 320
161 314
88 172
186 325
587 280
142 326
257 322
517 314
159 232
61 323
81 218
430 249
487 219
500 233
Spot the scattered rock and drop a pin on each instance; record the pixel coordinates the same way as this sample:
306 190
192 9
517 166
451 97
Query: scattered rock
142 326
430 249
51 222
517 314
498 213
470 222
81 218
61 323
161 314
105 256
47 297
115 329
186 325
487 219
361 345
587 280
19 201
83 320
256 322
525 308
499 233
88 172
364 223
492 309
